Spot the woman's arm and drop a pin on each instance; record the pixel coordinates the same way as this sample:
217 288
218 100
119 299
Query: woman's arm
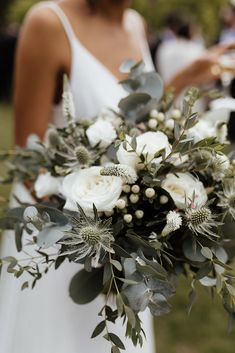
38 61
200 71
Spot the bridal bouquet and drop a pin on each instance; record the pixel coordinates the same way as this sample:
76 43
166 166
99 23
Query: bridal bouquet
136 197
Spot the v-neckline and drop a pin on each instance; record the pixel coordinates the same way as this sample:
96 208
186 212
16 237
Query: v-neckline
99 62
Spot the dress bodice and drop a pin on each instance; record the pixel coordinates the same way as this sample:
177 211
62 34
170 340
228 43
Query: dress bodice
93 86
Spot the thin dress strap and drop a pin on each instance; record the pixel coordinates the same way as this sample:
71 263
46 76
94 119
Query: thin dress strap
63 19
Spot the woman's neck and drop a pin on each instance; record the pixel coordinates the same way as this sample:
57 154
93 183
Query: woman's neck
109 10
112 10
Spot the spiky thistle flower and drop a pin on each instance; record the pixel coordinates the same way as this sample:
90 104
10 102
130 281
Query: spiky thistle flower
173 222
89 238
127 173
227 197
200 220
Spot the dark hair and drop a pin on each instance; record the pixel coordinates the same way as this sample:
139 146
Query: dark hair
92 4
180 24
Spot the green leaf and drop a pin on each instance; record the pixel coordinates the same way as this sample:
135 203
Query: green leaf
131 316
116 340
204 270
18 236
119 303
192 298
25 285
99 328
127 281
86 286
177 130
107 273
116 264
120 251
207 253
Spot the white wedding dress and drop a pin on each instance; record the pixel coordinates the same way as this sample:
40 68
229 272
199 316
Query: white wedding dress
45 320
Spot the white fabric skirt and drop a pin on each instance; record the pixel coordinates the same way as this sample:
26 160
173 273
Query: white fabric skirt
45 319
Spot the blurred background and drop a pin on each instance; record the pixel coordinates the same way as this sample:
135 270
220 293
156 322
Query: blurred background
203 24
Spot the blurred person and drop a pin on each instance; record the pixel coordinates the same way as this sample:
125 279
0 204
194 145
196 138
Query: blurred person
179 51
228 23
87 40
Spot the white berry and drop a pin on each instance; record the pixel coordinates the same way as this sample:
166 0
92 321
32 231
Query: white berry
161 117
135 189
139 214
176 114
121 204
154 113
128 218
126 188
134 198
152 124
170 124
164 200
150 192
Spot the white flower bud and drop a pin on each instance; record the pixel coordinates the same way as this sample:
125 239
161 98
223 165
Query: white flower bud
173 222
164 200
121 204
176 114
161 117
128 218
152 124
126 188
135 189
150 192
139 214
134 198
154 114
170 124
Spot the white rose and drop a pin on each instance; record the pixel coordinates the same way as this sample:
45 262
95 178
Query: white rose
208 125
87 187
184 185
47 185
148 144
101 132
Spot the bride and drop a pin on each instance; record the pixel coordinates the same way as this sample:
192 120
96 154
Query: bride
88 40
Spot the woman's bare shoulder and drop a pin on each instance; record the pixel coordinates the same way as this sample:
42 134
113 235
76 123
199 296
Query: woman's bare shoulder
41 21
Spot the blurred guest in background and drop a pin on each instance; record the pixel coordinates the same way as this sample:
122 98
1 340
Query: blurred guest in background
228 22
180 46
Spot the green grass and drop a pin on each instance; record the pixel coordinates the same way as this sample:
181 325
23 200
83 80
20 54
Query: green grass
204 331
6 142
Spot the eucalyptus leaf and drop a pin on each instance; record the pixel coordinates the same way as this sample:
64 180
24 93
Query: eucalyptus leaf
192 251
50 235
86 286
99 329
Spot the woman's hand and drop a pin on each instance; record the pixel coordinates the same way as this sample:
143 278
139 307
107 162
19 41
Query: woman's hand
201 71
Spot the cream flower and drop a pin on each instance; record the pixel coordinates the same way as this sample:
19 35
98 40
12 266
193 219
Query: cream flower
101 132
184 186
88 187
148 144
47 185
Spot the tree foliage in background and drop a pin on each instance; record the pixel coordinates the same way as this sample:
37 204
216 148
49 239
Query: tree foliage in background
206 12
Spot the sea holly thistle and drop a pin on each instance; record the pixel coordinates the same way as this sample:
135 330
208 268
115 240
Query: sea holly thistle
89 238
